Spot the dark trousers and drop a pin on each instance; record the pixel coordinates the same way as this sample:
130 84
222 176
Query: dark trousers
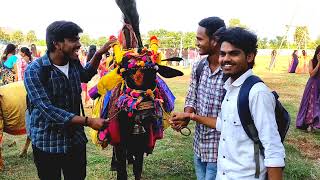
49 165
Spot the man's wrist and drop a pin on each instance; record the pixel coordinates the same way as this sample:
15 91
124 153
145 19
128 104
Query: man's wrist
86 121
192 116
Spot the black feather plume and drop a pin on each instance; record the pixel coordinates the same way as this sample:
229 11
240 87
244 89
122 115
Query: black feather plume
131 16
168 72
173 59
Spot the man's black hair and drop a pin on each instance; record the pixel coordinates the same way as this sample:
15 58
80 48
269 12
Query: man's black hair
59 30
240 38
212 24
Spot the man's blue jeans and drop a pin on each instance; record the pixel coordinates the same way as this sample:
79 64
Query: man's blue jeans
204 170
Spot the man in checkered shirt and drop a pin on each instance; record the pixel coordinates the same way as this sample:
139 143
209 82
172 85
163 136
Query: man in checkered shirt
204 98
53 84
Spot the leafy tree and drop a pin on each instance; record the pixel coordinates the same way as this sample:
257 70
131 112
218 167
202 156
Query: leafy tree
171 39
41 42
17 37
234 22
277 42
101 41
1 35
85 39
301 36
189 40
263 43
31 37
6 37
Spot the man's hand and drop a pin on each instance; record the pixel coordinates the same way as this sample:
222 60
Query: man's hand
96 123
178 120
107 46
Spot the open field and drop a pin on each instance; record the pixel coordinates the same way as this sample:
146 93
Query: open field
172 157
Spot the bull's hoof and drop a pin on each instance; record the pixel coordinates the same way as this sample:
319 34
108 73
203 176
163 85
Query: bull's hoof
12 144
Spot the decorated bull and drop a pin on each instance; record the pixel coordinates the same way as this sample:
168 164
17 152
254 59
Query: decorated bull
137 100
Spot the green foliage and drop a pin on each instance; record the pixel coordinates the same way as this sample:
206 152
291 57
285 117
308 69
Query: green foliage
101 41
17 37
171 39
31 37
301 36
234 22
278 42
41 42
85 39
263 43
189 40
7 37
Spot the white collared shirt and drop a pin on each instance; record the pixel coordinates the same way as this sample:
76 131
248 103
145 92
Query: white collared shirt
236 150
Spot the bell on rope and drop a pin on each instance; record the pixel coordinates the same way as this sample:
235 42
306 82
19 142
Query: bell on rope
138 129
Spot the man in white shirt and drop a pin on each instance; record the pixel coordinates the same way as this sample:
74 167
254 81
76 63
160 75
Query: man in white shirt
236 149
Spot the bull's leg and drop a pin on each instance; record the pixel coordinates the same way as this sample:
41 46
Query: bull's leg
138 165
121 156
25 148
113 160
129 158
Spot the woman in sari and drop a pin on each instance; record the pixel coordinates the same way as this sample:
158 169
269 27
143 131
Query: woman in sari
302 66
9 59
309 113
294 62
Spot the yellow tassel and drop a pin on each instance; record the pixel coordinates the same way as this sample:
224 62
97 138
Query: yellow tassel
108 81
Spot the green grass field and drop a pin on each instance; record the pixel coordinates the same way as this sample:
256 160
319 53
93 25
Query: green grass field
172 157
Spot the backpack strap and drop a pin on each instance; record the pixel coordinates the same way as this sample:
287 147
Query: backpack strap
44 78
246 118
200 69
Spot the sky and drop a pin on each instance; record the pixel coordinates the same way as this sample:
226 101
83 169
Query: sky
103 17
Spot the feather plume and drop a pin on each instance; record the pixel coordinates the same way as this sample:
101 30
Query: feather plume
173 59
131 16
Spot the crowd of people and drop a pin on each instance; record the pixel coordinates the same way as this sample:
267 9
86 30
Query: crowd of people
14 62
222 150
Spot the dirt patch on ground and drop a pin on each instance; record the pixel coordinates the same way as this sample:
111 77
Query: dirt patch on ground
307 147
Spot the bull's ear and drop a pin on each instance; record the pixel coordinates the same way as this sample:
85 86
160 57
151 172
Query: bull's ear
173 59
168 72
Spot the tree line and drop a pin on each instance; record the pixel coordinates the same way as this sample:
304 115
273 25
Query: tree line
173 39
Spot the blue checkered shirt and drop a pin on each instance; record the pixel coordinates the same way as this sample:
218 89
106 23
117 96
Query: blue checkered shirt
55 100
206 98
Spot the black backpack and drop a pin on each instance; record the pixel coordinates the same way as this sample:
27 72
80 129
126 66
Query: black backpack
282 118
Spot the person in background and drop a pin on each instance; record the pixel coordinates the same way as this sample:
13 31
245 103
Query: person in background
308 117
87 102
294 62
22 63
35 53
273 59
9 60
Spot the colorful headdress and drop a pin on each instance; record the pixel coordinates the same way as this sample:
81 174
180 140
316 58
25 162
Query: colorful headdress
135 64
